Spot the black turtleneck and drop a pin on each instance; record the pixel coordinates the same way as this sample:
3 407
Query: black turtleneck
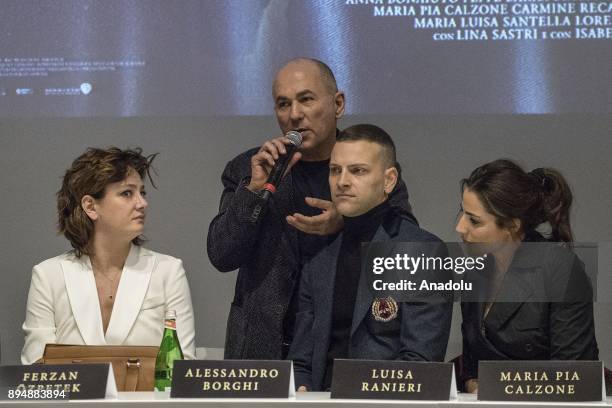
348 270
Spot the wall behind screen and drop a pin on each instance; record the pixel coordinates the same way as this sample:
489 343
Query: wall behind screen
434 151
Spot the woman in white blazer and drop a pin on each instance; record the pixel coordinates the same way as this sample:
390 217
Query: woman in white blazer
108 290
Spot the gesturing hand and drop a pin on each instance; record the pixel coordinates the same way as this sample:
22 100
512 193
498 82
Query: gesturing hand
326 223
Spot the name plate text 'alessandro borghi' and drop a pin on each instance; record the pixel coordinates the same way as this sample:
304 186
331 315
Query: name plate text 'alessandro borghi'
232 379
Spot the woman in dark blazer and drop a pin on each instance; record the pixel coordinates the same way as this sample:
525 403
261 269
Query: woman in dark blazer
533 301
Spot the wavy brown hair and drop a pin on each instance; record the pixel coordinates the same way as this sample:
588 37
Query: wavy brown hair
89 174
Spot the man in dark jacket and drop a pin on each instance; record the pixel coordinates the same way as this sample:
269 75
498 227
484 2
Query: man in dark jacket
341 314
270 247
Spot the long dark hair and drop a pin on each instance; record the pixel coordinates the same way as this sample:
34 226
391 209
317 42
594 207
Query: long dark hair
540 196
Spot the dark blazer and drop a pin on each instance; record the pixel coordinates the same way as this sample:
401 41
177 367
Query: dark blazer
419 332
265 250
547 312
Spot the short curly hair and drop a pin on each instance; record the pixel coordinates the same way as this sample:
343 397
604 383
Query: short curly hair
89 174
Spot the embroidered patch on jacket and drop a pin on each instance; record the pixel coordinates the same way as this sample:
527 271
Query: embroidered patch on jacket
384 309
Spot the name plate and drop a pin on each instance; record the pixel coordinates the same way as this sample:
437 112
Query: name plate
408 380
61 381
232 379
564 381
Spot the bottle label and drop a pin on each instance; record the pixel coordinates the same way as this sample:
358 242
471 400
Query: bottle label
170 324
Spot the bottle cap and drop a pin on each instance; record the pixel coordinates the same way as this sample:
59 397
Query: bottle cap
171 314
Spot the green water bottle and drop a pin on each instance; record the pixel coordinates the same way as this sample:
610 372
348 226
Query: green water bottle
169 350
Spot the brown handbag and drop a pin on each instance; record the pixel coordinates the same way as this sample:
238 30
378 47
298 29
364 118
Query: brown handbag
133 366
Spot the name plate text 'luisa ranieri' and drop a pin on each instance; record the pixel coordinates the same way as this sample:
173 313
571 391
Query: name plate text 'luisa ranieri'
407 380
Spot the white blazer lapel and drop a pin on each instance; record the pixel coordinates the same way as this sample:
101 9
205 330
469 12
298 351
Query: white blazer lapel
81 288
132 289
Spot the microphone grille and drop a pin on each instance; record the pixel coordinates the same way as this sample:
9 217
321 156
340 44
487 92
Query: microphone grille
294 137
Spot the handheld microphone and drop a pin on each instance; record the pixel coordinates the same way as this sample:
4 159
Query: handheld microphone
278 171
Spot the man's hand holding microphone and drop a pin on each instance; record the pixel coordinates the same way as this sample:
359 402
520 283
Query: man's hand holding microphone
270 164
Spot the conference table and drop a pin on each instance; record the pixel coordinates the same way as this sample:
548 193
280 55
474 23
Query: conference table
302 400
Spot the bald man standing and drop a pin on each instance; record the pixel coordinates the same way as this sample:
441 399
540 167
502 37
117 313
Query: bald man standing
270 248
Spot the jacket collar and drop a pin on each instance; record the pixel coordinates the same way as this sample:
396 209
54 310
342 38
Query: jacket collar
283 205
531 254
518 284
516 289
365 296
83 296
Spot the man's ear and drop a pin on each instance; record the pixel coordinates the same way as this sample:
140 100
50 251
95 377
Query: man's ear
88 204
339 101
391 176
